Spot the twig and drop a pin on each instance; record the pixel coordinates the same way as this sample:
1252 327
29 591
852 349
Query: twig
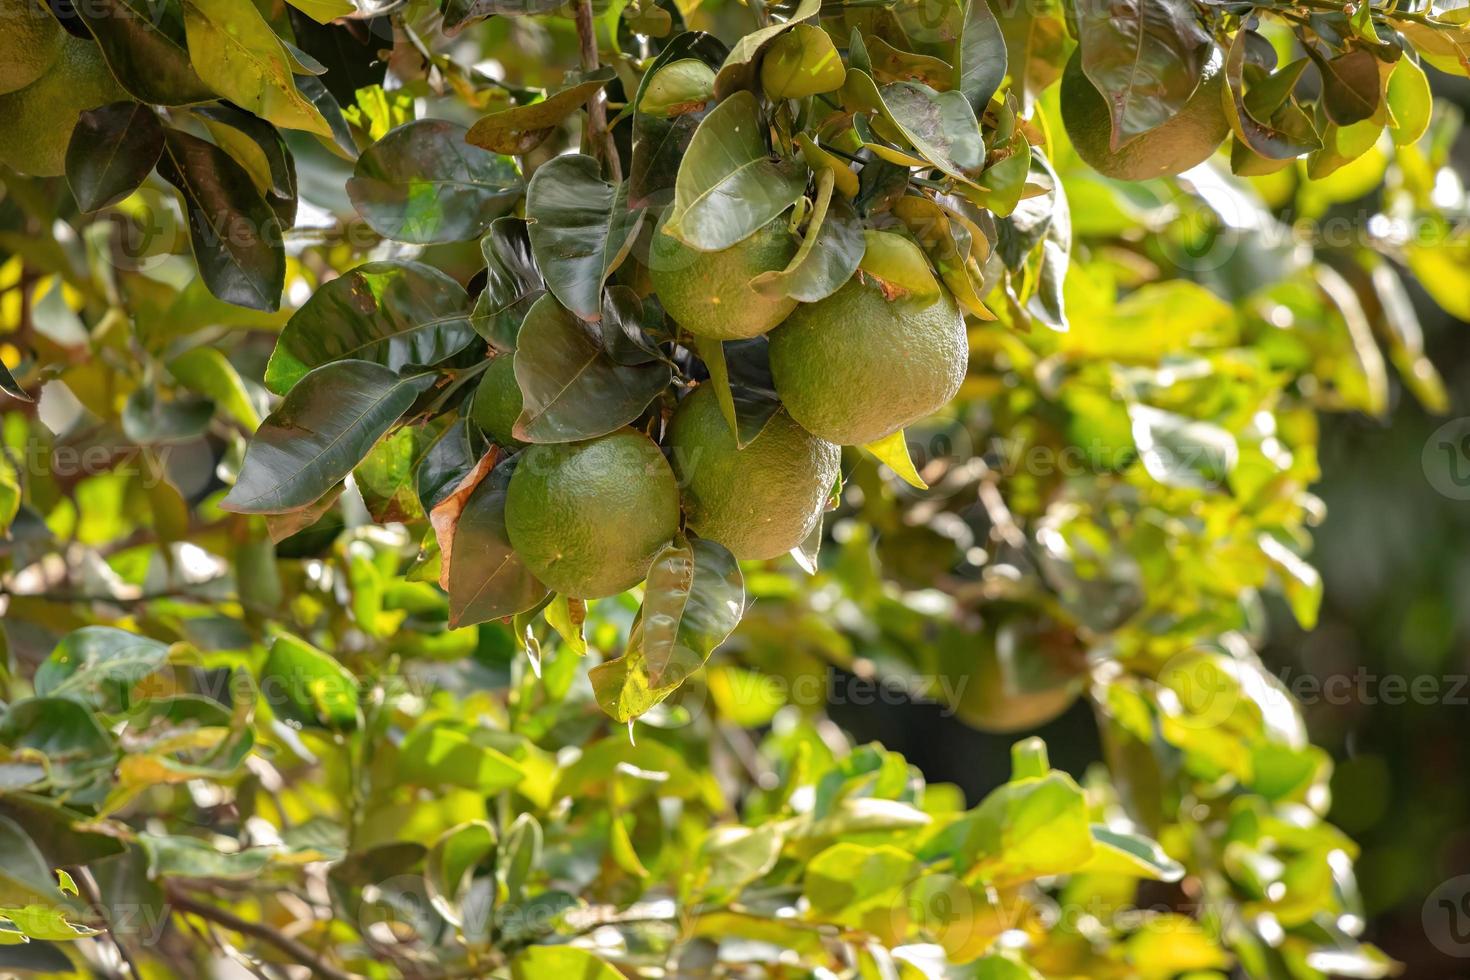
298 952
87 885
599 137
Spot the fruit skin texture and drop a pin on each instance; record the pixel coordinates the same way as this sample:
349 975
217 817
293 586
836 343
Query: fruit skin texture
497 402
709 293
36 122
29 43
856 367
1183 142
760 501
588 517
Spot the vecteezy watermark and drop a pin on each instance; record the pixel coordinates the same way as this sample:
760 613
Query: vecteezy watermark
1446 459
1446 917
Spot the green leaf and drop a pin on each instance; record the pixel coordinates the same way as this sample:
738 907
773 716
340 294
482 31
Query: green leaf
77 748
440 755
1145 57
487 579
151 420
1287 134
210 373
306 686
1029 828
830 251
423 184
660 139
46 923
1182 452
1410 101
980 56
10 386
450 866
899 266
693 600
402 315
112 150
570 387
521 129
847 879
733 857
25 876
144 44
174 856
513 283
237 54
1352 86
99 666
1116 852
236 236
893 452
323 429
940 126
728 185
258 147
581 230
541 962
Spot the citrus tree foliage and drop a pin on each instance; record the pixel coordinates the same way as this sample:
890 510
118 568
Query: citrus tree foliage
300 295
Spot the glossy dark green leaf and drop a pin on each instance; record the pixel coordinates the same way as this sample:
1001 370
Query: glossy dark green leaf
513 282
323 429
581 230
829 254
446 464
112 150
236 236
980 56
77 748
25 875
151 420
693 600
487 580
144 44
940 126
10 386
1352 87
260 149
422 184
570 387
1286 135
1145 57
401 315
660 140
308 687
521 129
729 184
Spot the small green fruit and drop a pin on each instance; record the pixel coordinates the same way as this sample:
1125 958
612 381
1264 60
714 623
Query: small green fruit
801 62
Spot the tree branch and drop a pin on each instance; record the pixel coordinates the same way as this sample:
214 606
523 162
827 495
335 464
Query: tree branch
599 138
297 951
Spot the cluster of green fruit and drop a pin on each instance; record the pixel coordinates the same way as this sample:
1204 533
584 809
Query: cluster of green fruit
589 517
47 79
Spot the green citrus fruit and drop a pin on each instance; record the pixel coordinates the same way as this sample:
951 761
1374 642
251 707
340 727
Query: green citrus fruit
682 86
709 293
497 402
1183 142
29 43
801 62
760 501
36 121
856 366
588 517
